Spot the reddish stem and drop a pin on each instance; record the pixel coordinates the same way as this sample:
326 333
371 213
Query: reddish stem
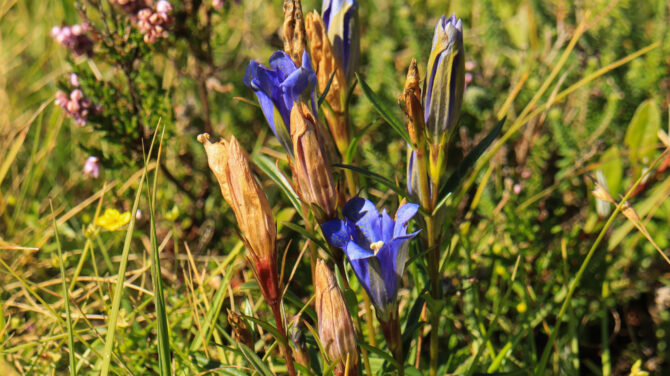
283 345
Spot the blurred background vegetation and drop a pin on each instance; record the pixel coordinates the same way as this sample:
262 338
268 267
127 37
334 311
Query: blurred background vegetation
534 219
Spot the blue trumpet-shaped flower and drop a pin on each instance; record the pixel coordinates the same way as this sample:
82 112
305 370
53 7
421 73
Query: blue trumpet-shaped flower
445 80
376 245
278 87
341 20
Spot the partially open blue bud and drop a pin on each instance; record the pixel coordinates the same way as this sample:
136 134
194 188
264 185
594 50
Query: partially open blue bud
341 20
445 79
413 177
376 245
278 87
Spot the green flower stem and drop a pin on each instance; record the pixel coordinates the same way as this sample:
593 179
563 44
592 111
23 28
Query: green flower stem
433 271
433 253
391 329
351 182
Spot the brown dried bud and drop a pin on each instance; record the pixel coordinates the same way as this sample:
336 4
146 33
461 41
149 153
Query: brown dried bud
230 164
241 331
326 66
312 170
294 30
325 62
336 329
601 193
411 96
300 349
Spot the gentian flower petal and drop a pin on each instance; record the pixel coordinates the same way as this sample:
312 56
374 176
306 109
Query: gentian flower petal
278 87
387 226
402 216
377 287
387 261
445 80
364 213
376 246
282 64
401 245
341 20
337 232
356 252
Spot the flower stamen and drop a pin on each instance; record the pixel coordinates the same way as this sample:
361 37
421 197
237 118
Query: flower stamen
376 246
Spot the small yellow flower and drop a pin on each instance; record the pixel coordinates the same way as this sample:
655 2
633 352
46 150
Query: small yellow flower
521 307
637 370
112 220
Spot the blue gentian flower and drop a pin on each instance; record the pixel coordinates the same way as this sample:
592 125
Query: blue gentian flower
278 87
445 81
341 20
376 245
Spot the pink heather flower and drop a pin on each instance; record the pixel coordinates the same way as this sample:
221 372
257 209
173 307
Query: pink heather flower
153 23
163 7
468 78
76 105
217 4
74 80
92 167
517 188
74 38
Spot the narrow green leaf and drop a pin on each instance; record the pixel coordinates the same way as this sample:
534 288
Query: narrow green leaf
467 163
329 370
386 182
306 234
118 290
387 357
267 326
292 298
413 323
66 297
322 97
157 280
214 310
270 169
612 167
120 278
254 360
641 136
353 145
383 111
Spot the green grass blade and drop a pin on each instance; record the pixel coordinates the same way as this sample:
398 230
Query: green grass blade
213 313
118 290
254 360
322 97
386 182
383 111
306 234
467 164
267 326
273 173
159 297
66 297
